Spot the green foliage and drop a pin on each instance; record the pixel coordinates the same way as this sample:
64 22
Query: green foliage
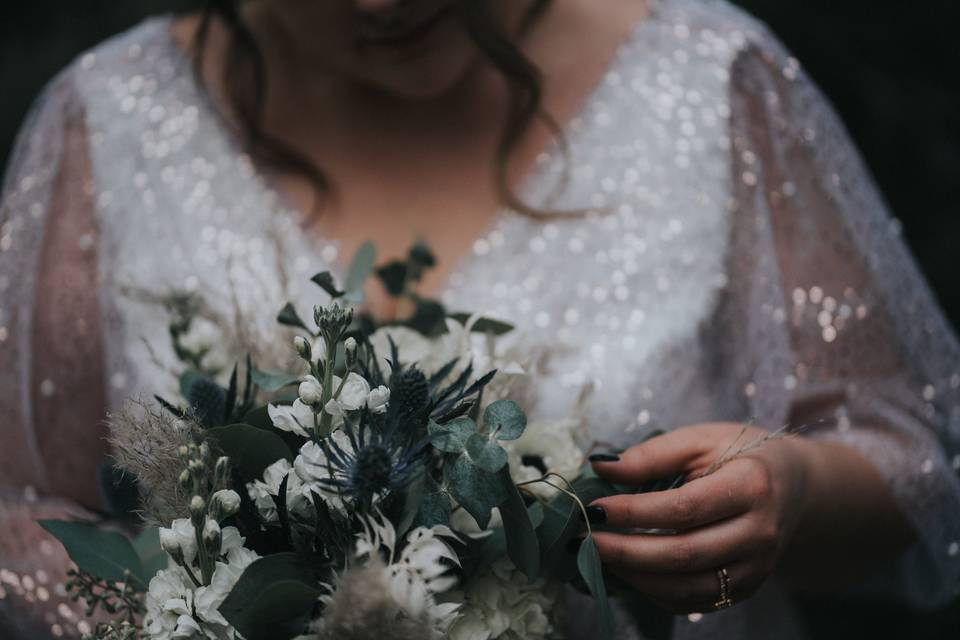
288 316
274 597
452 437
252 449
152 556
522 544
590 567
106 555
505 420
483 325
274 380
485 454
361 267
476 490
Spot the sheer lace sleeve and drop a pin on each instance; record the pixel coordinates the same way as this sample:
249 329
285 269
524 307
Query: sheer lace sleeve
835 328
52 394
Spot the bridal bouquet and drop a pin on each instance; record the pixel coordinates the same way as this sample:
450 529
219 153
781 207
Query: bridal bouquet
384 488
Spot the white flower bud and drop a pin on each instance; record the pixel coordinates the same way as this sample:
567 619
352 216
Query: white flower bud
169 542
198 510
378 399
205 451
228 502
211 530
185 481
350 346
303 348
310 391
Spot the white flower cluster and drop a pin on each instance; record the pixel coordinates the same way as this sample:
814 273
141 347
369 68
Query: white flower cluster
354 394
175 608
499 603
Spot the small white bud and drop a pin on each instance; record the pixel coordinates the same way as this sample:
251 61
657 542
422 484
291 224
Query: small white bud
303 347
198 510
228 502
310 391
350 346
211 530
169 542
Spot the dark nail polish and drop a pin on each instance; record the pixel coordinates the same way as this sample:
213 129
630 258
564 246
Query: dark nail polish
604 457
574 545
596 514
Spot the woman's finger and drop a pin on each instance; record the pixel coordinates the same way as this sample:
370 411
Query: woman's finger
699 591
724 494
660 457
698 550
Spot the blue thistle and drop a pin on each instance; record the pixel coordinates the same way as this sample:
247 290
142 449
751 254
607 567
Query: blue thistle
377 462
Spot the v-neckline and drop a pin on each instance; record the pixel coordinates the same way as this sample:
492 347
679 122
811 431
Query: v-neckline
327 249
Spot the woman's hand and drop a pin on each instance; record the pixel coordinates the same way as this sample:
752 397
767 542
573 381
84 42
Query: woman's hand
739 518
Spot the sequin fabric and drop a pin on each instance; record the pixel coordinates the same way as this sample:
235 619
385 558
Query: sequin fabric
736 263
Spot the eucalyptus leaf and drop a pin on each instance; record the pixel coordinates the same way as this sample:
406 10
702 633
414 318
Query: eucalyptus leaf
250 448
505 418
274 597
452 437
522 544
274 379
361 267
476 490
105 554
588 563
325 281
435 507
152 556
487 455
288 316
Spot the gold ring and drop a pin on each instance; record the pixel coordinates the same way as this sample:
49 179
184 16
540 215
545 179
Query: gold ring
725 601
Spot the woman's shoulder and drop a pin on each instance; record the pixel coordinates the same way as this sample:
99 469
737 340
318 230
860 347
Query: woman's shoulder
719 27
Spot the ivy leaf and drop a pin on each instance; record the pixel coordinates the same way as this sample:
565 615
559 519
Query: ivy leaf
274 597
324 280
273 379
105 554
506 419
288 316
452 437
487 455
476 490
361 267
522 544
588 564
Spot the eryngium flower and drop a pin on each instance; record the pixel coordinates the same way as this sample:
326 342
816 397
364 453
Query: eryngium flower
374 462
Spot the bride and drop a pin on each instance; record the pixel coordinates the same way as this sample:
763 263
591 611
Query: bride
654 192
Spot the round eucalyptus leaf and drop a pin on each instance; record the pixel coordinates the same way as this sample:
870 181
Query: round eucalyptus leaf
487 455
506 419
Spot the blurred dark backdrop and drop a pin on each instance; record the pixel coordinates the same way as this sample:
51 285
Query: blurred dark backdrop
891 69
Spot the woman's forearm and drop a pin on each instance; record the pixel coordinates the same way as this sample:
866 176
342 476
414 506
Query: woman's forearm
850 523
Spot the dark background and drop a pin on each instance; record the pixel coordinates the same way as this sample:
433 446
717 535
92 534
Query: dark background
891 68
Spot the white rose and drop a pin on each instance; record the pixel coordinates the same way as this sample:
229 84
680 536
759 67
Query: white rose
310 391
180 536
554 442
297 418
378 399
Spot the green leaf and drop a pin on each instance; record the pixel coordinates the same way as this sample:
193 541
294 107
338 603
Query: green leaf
505 418
393 275
274 597
324 280
476 490
428 318
288 316
588 563
274 379
250 448
487 455
361 267
483 325
412 498
452 437
152 556
435 507
104 554
187 379
522 544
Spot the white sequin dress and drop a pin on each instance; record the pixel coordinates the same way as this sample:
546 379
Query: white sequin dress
737 264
